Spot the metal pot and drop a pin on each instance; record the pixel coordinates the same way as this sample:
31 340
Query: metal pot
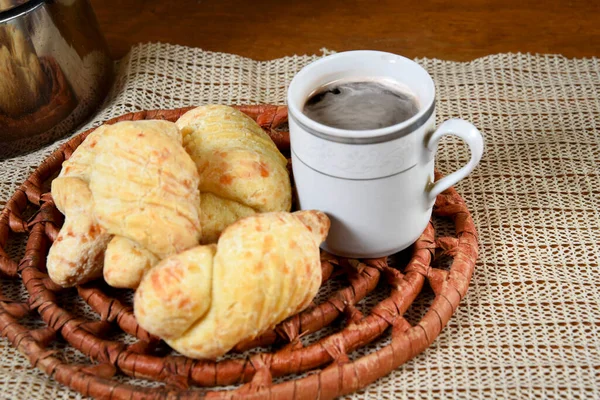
55 70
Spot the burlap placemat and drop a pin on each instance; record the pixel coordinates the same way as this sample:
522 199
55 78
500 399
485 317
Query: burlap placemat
529 325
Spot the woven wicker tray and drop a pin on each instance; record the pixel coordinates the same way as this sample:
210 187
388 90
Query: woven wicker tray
276 365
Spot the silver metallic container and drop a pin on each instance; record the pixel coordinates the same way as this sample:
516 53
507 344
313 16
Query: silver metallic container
55 70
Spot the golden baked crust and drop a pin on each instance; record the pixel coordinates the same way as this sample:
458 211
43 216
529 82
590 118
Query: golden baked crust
126 261
132 184
205 300
241 170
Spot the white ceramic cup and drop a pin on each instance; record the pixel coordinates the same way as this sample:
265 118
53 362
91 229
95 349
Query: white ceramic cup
375 185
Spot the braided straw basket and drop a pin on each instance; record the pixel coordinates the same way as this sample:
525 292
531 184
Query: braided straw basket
278 365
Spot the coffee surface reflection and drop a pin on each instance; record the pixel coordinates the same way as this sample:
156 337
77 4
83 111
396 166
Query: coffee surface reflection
361 104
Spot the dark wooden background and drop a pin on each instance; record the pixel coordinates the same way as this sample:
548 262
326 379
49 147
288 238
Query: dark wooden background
452 30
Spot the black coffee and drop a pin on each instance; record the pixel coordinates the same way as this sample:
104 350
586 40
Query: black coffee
360 105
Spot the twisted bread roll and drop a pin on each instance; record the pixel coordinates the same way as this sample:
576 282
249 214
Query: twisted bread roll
130 197
138 189
241 170
205 300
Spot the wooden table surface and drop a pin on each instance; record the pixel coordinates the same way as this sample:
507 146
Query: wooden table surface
451 30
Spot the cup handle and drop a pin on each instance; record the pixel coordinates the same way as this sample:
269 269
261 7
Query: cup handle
471 135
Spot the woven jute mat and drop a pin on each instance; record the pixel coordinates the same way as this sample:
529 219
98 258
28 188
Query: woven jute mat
528 327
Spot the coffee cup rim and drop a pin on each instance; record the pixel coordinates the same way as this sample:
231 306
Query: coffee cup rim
360 136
